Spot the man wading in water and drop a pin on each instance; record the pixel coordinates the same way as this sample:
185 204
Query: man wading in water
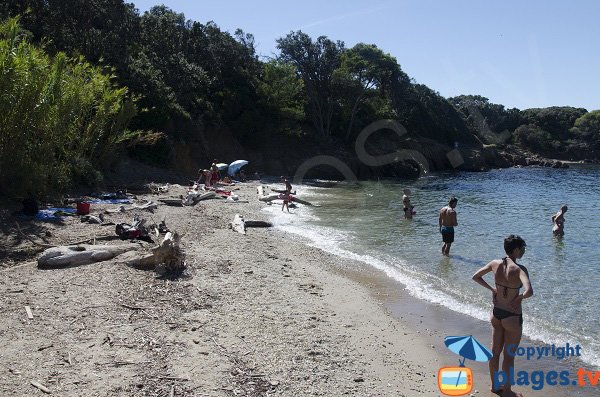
447 221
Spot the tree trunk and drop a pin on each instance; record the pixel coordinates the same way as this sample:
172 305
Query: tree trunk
353 114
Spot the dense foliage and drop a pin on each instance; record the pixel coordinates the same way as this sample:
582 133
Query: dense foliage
190 79
60 117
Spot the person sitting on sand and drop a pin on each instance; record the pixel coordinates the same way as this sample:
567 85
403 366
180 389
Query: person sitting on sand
215 174
558 220
408 208
447 221
202 176
507 314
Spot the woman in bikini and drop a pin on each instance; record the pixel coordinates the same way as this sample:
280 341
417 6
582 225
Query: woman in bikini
507 316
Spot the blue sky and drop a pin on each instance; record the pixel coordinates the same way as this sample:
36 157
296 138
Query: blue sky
523 54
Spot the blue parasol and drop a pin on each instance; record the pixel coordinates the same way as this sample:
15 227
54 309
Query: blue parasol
236 166
467 347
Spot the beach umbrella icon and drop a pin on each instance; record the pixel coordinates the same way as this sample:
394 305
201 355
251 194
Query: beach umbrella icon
468 348
236 166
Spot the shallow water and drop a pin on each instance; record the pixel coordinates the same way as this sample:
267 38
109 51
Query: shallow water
365 222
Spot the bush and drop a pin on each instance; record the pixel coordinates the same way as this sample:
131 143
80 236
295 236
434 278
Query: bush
60 118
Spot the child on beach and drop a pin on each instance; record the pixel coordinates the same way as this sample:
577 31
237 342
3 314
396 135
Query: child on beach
558 220
507 314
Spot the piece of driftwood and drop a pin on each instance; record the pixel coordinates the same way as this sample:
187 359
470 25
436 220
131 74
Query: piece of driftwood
167 254
77 255
31 239
194 198
282 191
257 224
297 200
41 387
270 197
93 219
238 224
172 202
148 205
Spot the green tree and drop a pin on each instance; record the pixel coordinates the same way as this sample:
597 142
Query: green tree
556 120
491 122
282 92
316 62
587 127
366 70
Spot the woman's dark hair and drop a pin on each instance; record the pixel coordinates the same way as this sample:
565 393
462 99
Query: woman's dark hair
513 241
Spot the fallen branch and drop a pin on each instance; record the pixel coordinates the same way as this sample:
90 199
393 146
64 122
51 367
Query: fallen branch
52 246
31 239
168 253
41 387
238 224
77 255
134 307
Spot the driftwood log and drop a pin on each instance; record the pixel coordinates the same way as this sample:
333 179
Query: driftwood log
257 224
167 254
279 196
77 255
270 197
239 224
148 205
194 198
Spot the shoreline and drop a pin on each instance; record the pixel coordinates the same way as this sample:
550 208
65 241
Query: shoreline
256 314
432 322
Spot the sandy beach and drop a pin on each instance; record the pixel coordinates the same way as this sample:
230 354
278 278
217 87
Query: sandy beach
260 314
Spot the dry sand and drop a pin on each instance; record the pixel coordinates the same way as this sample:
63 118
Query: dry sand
254 315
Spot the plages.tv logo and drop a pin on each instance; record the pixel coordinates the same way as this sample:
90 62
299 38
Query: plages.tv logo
458 381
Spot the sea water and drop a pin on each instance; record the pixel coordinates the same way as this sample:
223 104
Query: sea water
365 221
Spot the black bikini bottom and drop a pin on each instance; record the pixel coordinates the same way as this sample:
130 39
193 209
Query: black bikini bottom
501 314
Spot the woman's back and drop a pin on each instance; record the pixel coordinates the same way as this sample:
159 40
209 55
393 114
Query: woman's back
507 276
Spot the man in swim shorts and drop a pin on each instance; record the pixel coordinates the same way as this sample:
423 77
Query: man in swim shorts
447 221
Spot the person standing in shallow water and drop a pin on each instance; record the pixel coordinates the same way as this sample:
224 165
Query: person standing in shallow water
447 220
558 220
408 207
507 314
286 194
